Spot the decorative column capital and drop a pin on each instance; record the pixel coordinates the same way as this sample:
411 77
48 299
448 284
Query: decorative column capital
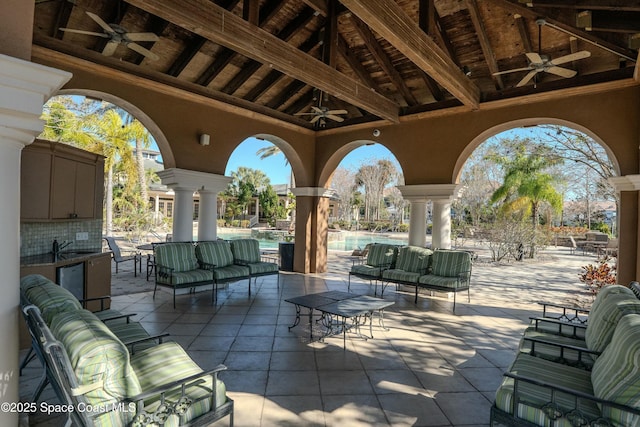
313 192
176 178
424 192
24 88
625 183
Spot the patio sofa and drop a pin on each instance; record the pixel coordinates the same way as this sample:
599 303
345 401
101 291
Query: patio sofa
542 390
90 367
246 252
381 257
441 270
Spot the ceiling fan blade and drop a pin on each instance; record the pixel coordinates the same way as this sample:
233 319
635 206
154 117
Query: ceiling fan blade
142 37
334 118
562 72
337 112
315 119
526 78
87 33
572 57
305 114
317 110
143 51
100 22
512 71
534 57
110 48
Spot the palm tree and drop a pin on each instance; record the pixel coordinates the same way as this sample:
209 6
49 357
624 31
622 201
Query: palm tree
273 150
62 124
526 185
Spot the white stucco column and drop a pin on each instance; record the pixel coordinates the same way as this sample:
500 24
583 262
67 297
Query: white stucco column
441 196
24 88
184 183
441 232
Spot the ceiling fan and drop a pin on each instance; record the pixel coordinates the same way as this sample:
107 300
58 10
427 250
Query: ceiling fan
543 63
320 114
118 35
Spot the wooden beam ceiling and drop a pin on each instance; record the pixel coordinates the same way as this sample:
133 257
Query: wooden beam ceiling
388 19
616 5
218 25
485 44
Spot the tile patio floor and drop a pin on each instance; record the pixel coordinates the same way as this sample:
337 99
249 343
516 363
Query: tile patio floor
432 368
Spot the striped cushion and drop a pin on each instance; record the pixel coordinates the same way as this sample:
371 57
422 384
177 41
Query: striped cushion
180 256
247 250
97 355
231 272
130 332
616 373
32 280
400 276
382 255
452 283
535 396
552 352
192 276
217 253
451 263
601 326
263 267
414 259
174 363
52 299
605 292
366 270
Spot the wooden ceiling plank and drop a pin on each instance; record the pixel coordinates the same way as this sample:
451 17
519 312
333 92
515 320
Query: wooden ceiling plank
604 20
285 94
186 56
62 18
216 24
156 26
485 44
319 6
619 5
301 104
524 33
383 60
251 11
389 20
356 65
222 60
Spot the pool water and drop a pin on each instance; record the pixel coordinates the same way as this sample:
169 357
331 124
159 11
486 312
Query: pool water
351 240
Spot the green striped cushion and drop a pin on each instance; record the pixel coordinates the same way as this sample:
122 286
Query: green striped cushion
551 352
217 253
246 250
366 270
450 263
400 275
263 267
130 332
414 259
616 373
32 280
381 255
192 276
52 299
601 326
97 355
174 363
607 291
180 256
535 396
452 283
231 272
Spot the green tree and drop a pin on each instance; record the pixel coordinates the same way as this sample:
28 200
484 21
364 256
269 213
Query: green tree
526 183
269 204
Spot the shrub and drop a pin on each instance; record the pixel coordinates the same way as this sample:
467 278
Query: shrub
599 275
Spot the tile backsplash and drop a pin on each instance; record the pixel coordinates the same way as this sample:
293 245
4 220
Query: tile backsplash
37 237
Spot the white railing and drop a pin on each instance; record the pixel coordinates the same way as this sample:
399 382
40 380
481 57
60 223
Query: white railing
253 221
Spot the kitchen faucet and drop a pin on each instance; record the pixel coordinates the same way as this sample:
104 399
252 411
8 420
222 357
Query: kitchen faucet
57 247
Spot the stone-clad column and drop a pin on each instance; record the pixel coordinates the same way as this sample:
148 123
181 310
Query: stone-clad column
24 88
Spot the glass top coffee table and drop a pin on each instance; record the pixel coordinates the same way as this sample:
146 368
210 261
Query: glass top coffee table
336 307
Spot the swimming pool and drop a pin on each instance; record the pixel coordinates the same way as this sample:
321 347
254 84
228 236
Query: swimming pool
345 241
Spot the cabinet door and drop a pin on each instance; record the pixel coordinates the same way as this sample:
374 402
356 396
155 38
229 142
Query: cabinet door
35 178
98 279
85 190
63 189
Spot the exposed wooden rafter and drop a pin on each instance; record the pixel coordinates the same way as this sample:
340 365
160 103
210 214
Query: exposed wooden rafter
389 20
524 33
617 5
218 25
485 44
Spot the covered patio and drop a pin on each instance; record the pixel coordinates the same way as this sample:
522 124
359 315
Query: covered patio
432 367
425 79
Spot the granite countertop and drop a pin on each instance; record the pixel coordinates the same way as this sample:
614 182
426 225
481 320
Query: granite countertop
64 258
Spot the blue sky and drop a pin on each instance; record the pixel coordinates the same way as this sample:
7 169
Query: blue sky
278 171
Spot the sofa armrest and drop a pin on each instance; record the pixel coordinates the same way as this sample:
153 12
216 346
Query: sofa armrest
554 389
164 272
569 313
101 299
160 338
206 266
174 407
239 261
560 324
562 348
127 317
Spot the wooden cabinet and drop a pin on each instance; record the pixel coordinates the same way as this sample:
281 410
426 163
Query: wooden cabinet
60 182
